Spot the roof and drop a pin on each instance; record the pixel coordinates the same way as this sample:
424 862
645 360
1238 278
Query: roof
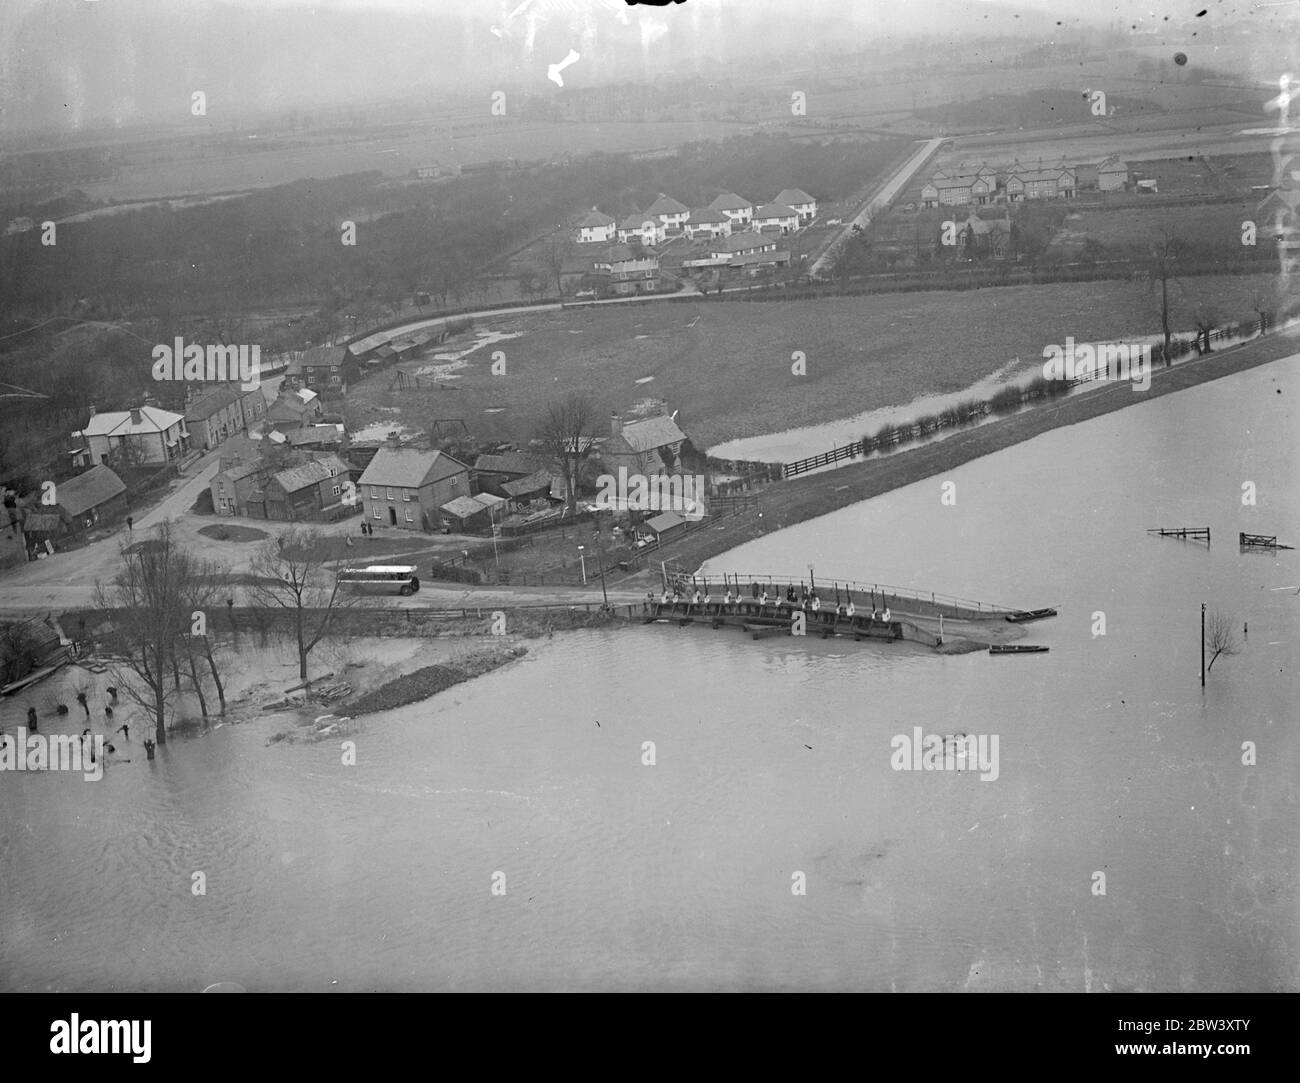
464 506
729 201
119 423
205 406
651 433
596 218
707 217
758 257
665 521
738 242
775 210
666 205
637 221
617 253
319 356
47 522
514 463
790 196
314 434
96 486
312 473
239 471
405 468
540 479
1111 165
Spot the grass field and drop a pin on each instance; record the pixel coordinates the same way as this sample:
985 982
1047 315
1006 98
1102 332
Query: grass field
727 365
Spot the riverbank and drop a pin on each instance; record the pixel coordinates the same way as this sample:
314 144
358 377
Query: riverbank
796 501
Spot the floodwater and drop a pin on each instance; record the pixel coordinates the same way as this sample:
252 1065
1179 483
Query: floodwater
772 767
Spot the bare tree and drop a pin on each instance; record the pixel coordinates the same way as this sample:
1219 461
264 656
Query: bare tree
206 584
565 433
1161 269
145 597
289 573
1219 636
1259 304
554 250
1205 321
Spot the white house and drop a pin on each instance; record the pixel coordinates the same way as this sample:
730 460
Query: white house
644 228
1112 175
802 203
707 223
733 206
596 228
776 216
669 212
157 436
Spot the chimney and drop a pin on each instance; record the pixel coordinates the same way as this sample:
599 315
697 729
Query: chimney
136 418
615 425
394 442
92 409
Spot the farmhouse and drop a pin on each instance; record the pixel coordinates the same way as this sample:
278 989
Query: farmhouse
648 446
1112 175
81 502
802 203
322 368
671 214
146 433
734 207
707 224
776 216
407 487
647 230
986 236
596 228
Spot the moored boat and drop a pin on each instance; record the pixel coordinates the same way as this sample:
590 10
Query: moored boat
1030 614
1018 648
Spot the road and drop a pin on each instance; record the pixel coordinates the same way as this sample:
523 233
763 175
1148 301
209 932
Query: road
879 199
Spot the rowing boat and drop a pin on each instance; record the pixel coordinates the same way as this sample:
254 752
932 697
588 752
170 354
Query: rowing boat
1018 648
1030 614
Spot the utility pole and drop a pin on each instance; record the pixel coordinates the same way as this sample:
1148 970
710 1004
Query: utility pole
1202 644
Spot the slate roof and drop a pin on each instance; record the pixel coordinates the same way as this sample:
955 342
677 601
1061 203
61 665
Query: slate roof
464 506
204 407
636 221
790 196
651 433
42 522
775 210
312 473
540 479
515 463
664 522
318 356
96 486
738 242
707 217
596 218
404 468
119 423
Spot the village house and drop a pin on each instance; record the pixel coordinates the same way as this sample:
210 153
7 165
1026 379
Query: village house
96 496
643 228
958 191
407 487
741 244
322 369
235 485
221 412
629 271
647 446
707 224
1112 175
294 409
150 434
775 216
596 228
800 201
317 438
491 472
737 208
669 212
1055 182
986 236
314 490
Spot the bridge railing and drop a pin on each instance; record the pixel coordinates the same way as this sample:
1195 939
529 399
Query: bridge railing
827 583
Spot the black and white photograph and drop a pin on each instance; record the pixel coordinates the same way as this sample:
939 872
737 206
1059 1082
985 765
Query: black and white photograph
701 496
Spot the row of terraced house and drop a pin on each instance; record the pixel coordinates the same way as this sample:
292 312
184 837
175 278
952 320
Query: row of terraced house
1017 183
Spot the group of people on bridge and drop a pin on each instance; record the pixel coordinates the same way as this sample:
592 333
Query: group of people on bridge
803 597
